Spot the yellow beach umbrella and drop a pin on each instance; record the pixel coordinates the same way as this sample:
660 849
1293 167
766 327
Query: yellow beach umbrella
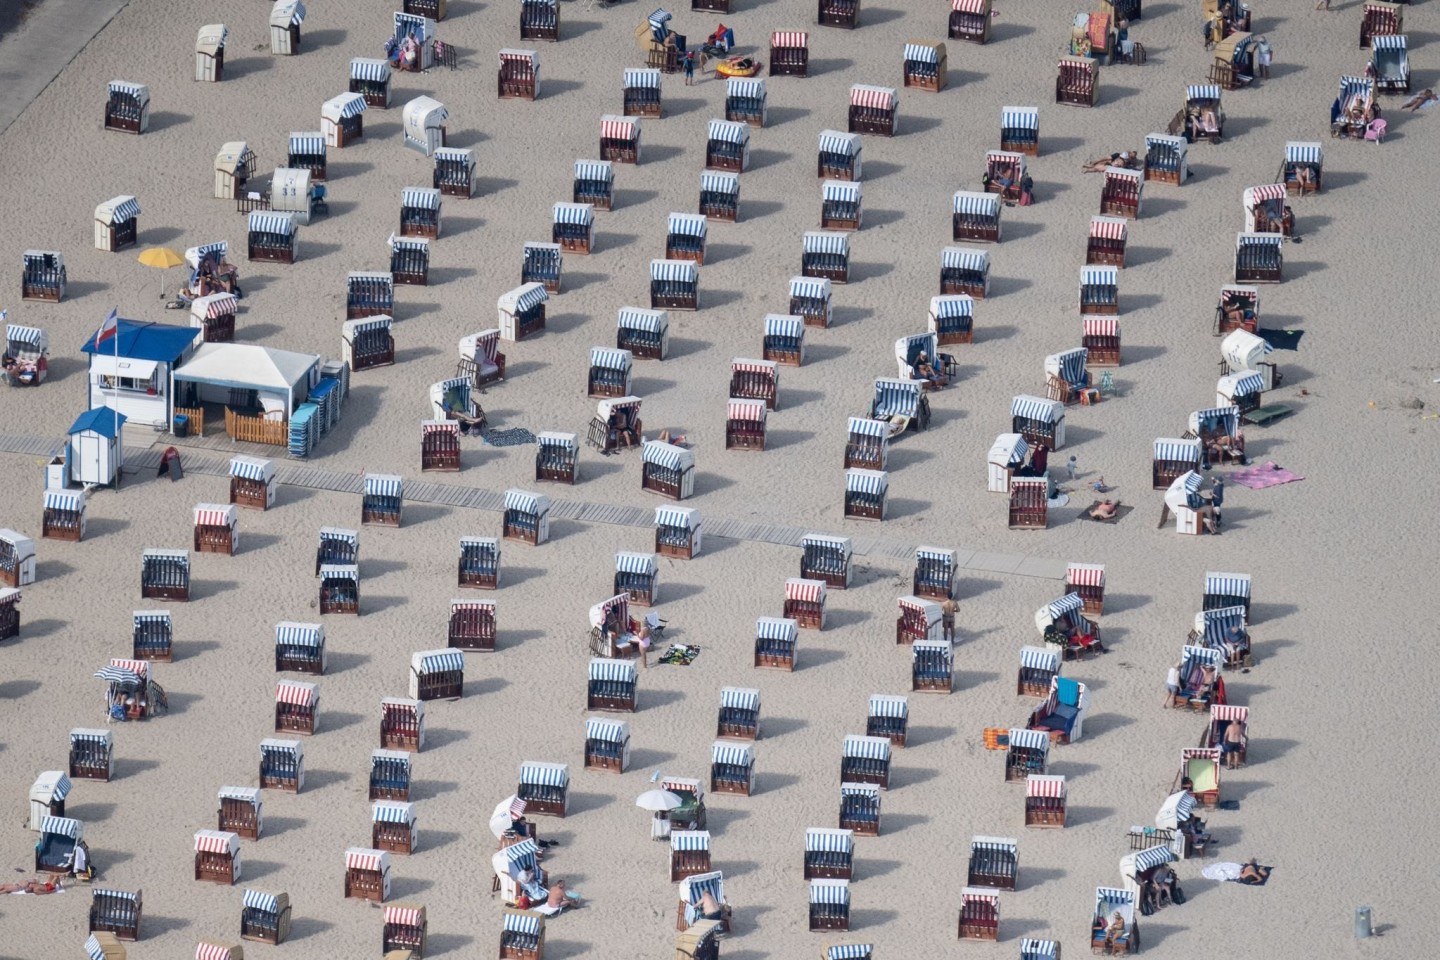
162 258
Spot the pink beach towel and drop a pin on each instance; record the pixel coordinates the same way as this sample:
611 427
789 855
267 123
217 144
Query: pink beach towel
1268 475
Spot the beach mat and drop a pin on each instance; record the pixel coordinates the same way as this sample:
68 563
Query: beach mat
680 654
1266 475
1121 512
1282 339
514 437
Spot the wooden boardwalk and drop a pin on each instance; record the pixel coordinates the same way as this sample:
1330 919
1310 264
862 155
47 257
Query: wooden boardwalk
296 474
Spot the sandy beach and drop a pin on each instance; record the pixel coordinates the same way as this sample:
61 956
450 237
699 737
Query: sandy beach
1337 767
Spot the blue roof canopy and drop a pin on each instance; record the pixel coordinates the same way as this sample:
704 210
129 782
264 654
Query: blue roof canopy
101 420
139 340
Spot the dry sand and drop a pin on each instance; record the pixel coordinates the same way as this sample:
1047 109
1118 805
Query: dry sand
1333 796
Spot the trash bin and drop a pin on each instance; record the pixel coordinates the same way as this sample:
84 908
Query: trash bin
182 425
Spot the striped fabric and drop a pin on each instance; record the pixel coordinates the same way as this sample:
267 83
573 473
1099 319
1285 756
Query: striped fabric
865 427
1269 191
1035 658
1108 228
370 71
122 209
544 774
642 78
80 735
480 606
1085 575
1019 118
1391 41
264 221
723 183
665 455
870 482
840 191
61 789
348 105
264 902
639 318
997 844
601 170
281 748
579 214
421 198
868 791
689 840
365 277
62 826
214 841
674 271
739 698
339 571
67 500
351 537
964 258
805 591
1218 623
896 398
952 306
529 57
1185 451
295 10
750 411
1029 740
610 359
922 53
138 667
1258 240
834 892
93 950
1191 481
525 298
609 731
1227 585
1032 949
1066 605
776 628
885 705
525 924
782 325
840 545
970 6
1184 807
1008 448
844 144
524 501
926 649
849 951
1229 712
1202 91
1166 142
728 131
1100 327
404 916
1244 384
745 88
789 39
810 288
619 128
212 951
865 748
1033 408
1201 656
307 144
296 693
970 203
215 515
685 224
220 305
15 333
639 563
659 18
732 754
441 661
123 87
526 851
872 97
1299 151
439 426
1360 87
1045 785
1152 857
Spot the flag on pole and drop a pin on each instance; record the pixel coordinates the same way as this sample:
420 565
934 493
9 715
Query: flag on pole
108 329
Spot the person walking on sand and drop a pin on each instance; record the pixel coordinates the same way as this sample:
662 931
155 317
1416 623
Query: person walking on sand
947 618
1070 467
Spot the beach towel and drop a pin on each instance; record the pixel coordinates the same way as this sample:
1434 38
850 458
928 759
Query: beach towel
1266 475
1282 339
1120 513
680 655
1221 872
514 437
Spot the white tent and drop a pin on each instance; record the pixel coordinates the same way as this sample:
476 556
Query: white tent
218 368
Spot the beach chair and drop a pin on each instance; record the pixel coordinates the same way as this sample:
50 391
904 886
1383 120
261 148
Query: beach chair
1222 715
402 724
522 935
127 107
745 424
620 139
1087 580
1120 193
934 575
667 469
829 905
91 754
1038 668
116 223
510 860
612 686
609 374
727 146
454 172
775 641
674 285
1079 634
685 237
339 589
235 165
701 940
640 92
519 75
1062 714
919 619
784 340
1172 459
964 270
607 745
866 494
1241 391
1100 338
526 518
841 205
976 216
521 312
1039 421
55 850
1077 82
1109 902
805 603
691 890
838 13
860 809
1258 257
165 575
594 182
1028 503
745 100
152 635
1005 459
1004 170
337 546
826 558
392 826
1044 800
215 529
240 811
732 768
297 707
865 759
643 333
282 765
116 913
1226 590
1106 244
689 854
439 446
1166 159
217 857
839 156
979 914
210 53
215 315
719 196
1237 309
739 717
369 294
789 54
437 675
1201 765
544 787
610 635
931 666
1217 629
868 444
265 917
873 110
690 815
389 775
253 482
637 575
47 797
829 854
1027 752
1137 871
889 718
370 77
367 343
1302 170
900 403
994 863
1266 210
1193 692
1020 129
677 532
28 348
1376 19
540 20
367 874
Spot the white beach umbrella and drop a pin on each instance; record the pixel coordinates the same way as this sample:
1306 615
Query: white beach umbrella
658 800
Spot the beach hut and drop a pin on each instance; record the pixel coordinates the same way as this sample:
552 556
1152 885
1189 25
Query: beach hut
826 255
805 603
1028 503
923 65
337 545
1106 243
527 517
522 935
1173 458
1039 420
692 890
841 207
439 445
573 227
810 299
9 613
867 443
382 500
402 724
472 622
342 120
420 212
93 455
784 341
1038 667
667 469
994 863
677 532
1241 390
300 648
165 575
979 911
1166 159
789 54
47 797
116 223
1005 460
919 620
367 874
739 714
685 237
543 787
732 767
605 427
282 765
1222 716
368 342
1044 800
866 494
389 775
865 759
1303 167
607 745
270 237
127 109
689 853
1177 501
1027 752
888 718
217 857
370 78
307 151
745 424
1077 82
612 686
640 91
826 558
43 277
541 262
595 181
873 110
297 707
965 270
1120 193
240 811
404 931
424 122
215 315
637 576
1379 19
839 156
1266 210
285 19
970 20
481 361
55 850
519 74
619 140
115 915
1020 130
17 559
1062 715
557 457
829 905
931 666
340 588
521 312
454 172
1238 309
775 642
1224 590
215 529
860 809
210 53
1201 766
91 754
392 826
976 216
265 917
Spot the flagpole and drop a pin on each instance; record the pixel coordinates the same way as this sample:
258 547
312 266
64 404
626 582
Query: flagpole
115 410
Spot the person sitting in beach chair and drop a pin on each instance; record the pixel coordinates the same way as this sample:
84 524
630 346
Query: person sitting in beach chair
924 369
1115 930
530 882
1164 888
622 430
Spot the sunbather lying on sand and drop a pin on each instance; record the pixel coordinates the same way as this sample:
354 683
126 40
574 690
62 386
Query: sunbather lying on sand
1105 510
37 887
1420 99
1125 159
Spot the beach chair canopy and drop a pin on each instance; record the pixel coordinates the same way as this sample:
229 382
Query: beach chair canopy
789 39
1176 809
1177 495
821 242
370 70
686 225
872 97
965 259
1036 658
667 455
1227 585
523 298
683 518
896 398
674 271
776 628
124 88
732 754
120 209
619 128
524 501
859 747
1304 151
867 482
642 319
287 13
1019 118
607 731
951 306
1243 350
891 707
211 38
973 204
344 106
745 88
1037 408
544 774
268 221
1183 451
1198 93
728 131
1008 450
